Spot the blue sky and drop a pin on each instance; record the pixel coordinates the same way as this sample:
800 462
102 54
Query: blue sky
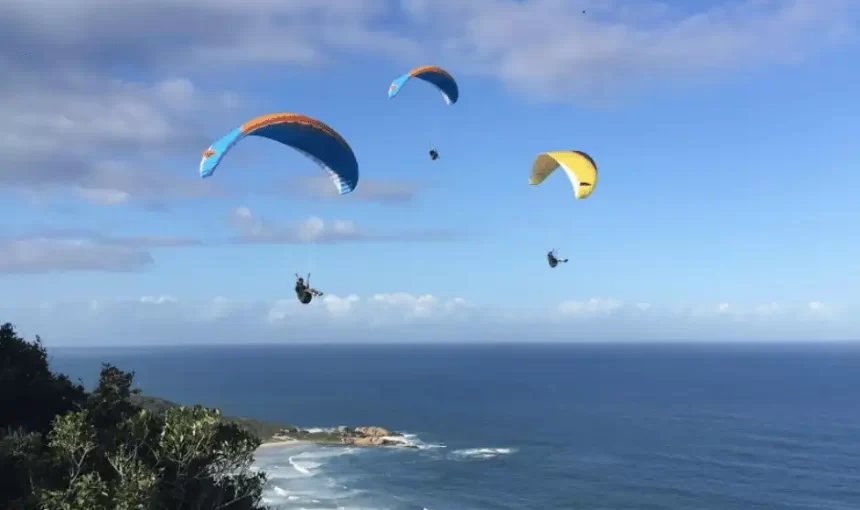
725 133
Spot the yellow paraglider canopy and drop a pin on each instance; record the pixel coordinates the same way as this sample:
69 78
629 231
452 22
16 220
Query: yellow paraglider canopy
579 167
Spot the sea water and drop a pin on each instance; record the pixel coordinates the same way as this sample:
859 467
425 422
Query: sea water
536 426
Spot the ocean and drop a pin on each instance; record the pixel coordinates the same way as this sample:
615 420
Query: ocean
592 427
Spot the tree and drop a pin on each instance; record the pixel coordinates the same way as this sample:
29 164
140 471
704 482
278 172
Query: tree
103 452
32 395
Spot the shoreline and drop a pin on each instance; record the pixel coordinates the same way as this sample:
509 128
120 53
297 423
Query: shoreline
340 436
273 434
269 443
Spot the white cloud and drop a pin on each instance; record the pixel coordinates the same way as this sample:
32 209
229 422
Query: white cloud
104 195
71 124
340 306
38 255
405 317
768 309
425 305
618 45
333 308
253 229
168 319
379 310
195 34
817 310
817 306
386 191
281 309
590 308
64 251
85 112
158 300
612 319
81 133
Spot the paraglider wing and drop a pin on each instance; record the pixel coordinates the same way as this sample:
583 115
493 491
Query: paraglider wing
579 167
436 76
311 137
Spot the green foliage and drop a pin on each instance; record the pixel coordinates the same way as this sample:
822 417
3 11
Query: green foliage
103 451
26 379
23 459
261 429
88 491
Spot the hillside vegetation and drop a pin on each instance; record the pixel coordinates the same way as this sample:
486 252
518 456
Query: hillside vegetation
64 448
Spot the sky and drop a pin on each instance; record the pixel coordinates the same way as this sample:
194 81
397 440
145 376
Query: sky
725 133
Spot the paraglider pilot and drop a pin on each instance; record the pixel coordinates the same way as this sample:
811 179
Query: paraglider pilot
434 154
304 292
553 259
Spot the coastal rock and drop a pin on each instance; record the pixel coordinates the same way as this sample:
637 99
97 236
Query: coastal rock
358 436
367 441
371 431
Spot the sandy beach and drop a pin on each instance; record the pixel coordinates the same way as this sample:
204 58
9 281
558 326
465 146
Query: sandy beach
271 443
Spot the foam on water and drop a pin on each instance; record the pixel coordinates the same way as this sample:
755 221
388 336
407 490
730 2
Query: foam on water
311 477
318 430
413 441
481 453
297 478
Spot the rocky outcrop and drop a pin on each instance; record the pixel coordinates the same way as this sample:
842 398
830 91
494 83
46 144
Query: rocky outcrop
358 436
369 436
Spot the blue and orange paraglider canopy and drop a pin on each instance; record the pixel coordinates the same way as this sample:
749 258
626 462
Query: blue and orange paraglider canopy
436 76
309 136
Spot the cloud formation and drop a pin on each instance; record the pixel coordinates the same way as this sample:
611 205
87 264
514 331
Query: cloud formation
614 45
47 250
165 318
55 250
618 45
406 317
255 230
92 85
75 133
376 311
386 191
612 319
194 33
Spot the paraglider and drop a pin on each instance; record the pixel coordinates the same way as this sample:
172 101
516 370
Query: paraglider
308 136
304 292
553 260
437 77
579 167
581 170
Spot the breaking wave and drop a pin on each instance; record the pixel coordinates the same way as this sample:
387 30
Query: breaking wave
481 453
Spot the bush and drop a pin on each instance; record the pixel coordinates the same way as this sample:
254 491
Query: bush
65 449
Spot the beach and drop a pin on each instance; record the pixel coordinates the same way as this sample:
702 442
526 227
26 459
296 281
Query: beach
271 443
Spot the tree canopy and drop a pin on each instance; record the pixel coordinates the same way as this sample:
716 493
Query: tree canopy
64 448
